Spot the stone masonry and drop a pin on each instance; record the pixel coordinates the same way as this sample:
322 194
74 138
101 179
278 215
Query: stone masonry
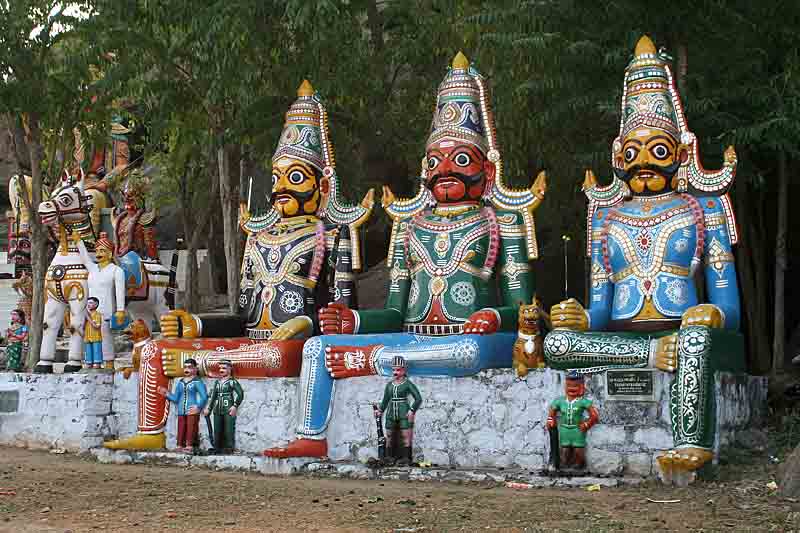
492 420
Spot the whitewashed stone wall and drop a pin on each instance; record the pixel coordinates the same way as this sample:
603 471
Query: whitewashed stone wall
68 411
490 420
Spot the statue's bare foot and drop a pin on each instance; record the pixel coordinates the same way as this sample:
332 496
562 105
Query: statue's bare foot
667 353
684 459
300 448
140 441
349 361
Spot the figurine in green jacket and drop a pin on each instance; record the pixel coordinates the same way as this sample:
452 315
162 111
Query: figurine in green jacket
226 397
399 414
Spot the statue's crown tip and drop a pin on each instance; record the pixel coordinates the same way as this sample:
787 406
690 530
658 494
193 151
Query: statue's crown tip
305 89
460 61
644 46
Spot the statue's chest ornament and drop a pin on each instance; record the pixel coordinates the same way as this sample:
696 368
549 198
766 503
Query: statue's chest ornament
282 264
443 245
645 248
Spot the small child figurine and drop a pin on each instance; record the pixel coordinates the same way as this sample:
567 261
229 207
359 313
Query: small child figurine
399 415
190 396
226 397
93 335
16 337
572 426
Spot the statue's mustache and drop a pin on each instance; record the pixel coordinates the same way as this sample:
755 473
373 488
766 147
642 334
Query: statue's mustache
301 197
668 170
468 179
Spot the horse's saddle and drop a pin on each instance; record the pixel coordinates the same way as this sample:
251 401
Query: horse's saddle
136 282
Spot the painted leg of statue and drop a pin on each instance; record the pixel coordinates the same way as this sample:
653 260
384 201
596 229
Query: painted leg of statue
108 345
451 356
405 450
564 349
53 315
153 408
316 393
77 316
692 404
580 458
566 457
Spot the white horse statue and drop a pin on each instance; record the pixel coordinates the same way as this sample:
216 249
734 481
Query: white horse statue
150 284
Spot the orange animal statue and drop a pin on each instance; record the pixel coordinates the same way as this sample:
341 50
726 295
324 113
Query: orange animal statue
528 350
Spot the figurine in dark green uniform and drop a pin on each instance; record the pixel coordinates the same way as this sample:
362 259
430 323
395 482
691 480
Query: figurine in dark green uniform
399 414
226 397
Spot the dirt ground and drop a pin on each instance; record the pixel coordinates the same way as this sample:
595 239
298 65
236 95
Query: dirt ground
40 491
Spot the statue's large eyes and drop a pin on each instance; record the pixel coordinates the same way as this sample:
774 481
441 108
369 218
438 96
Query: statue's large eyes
660 151
64 200
630 154
433 162
296 177
274 180
462 159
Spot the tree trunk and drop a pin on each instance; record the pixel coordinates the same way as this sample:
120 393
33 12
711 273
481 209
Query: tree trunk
38 238
753 293
229 198
779 334
789 475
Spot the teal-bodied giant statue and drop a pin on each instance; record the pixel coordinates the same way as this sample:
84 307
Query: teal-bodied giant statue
663 218
459 267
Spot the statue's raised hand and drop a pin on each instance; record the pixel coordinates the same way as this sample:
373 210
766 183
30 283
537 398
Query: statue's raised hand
703 315
569 314
336 319
483 322
179 323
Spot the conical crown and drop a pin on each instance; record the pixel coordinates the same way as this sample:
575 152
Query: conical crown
461 108
647 99
305 131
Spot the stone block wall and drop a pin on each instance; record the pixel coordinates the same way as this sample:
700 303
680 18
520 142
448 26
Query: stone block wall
489 420
68 411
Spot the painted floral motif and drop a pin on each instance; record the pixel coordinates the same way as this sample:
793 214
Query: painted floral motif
677 291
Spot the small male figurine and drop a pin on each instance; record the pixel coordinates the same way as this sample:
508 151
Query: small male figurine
399 415
226 397
93 335
16 337
190 396
572 426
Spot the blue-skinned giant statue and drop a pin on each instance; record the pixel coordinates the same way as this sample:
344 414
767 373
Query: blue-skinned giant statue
662 218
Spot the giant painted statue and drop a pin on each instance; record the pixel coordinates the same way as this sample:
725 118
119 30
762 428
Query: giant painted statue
298 257
458 260
663 218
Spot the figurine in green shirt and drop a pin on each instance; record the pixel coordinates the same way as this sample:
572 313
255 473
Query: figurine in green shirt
568 413
399 414
226 397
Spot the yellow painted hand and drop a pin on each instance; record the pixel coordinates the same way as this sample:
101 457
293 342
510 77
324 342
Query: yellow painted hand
75 237
297 327
172 362
703 315
179 323
569 314
667 353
